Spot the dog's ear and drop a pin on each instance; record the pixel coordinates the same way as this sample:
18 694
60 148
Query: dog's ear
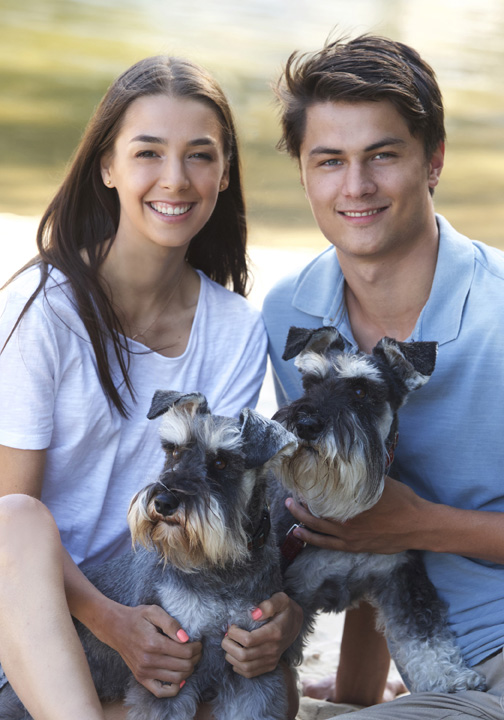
163 400
263 438
412 362
302 339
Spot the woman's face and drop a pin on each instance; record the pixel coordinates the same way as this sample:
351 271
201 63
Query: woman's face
168 167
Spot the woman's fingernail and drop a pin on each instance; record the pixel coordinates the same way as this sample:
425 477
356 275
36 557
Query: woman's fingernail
182 684
256 614
182 635
288 502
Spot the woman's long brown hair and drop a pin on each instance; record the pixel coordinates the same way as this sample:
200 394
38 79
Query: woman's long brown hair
84 213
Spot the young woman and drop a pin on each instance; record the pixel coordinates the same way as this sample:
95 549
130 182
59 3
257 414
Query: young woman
126 296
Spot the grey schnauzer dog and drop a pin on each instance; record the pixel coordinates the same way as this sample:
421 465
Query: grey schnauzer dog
205 555
346 424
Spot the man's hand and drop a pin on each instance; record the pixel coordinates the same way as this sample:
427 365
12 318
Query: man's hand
390 526
154 646
254 653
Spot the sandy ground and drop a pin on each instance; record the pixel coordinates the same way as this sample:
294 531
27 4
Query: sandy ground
17 245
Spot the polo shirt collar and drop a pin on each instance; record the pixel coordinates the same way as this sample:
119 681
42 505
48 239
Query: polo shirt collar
441 317
320 289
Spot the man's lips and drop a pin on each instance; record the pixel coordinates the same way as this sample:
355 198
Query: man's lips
362 213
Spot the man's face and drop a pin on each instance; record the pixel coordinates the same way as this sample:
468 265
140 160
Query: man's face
367 178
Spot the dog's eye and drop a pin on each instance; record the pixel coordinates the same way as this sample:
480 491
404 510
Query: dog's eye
219 463
176 453
360 392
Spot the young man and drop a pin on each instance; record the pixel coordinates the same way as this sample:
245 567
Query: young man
364 118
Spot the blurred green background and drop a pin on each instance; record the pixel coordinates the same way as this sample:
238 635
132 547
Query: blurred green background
58 56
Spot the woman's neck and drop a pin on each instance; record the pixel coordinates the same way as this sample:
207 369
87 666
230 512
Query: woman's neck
154 296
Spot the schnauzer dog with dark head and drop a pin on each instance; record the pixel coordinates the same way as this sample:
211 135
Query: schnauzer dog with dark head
204 554
346 424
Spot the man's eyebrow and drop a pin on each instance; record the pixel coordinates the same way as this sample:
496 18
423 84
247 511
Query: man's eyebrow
384 142
152 139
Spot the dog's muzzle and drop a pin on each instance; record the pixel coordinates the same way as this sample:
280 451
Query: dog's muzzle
308 428
166 503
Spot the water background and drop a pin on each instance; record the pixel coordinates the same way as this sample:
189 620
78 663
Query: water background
58 56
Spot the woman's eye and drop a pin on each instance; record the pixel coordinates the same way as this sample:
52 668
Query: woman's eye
201 156
219 463
147 154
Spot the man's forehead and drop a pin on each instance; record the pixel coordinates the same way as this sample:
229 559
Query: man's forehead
335 126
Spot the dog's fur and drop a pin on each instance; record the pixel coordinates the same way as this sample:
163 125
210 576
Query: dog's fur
346 424
205 556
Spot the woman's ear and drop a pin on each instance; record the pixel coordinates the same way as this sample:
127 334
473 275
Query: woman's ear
105 169
224 183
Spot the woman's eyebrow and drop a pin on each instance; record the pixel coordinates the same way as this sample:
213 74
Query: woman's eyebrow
163 141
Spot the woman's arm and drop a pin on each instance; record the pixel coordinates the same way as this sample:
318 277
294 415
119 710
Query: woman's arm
259 651
151 642
134 632
39 648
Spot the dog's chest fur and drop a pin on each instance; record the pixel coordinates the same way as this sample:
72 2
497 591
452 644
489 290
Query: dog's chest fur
205 609
337 579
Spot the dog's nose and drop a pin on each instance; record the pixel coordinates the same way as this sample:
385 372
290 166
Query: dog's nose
166 503
308 428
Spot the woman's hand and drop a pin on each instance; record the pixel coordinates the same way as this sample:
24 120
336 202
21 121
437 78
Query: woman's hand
392 525
259 651
154 646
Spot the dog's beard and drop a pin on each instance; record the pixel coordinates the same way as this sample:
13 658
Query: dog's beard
190 541
331 486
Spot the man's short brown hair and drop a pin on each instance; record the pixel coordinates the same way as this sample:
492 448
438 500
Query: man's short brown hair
368 68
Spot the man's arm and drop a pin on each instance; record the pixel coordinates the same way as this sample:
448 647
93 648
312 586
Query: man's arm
401 520
364 660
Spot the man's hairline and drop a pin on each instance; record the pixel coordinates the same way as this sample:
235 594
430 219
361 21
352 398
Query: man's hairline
349 101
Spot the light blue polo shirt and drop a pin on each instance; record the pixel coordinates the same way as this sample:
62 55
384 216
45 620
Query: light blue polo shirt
451 447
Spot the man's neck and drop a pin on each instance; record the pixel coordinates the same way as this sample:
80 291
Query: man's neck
386 297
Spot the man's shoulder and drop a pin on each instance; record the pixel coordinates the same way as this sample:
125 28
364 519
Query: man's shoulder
486 256
489 258
318 271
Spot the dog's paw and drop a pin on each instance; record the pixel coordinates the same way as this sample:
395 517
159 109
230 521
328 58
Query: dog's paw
468 680
454 682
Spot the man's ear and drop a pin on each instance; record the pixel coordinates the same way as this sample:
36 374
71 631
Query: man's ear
436 165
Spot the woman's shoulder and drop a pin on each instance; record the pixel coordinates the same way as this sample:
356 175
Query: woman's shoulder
222 299
27 281
54 299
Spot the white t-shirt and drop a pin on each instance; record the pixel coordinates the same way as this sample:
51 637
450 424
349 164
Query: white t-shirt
51 397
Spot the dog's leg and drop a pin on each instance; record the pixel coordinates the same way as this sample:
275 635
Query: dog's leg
260 698
414 621
143 705
11 707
